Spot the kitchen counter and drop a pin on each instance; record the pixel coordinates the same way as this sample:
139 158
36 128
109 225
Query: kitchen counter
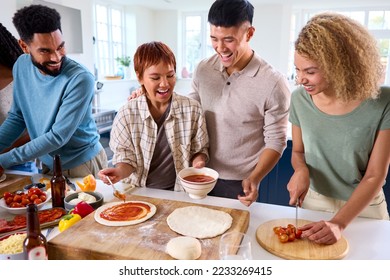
368 238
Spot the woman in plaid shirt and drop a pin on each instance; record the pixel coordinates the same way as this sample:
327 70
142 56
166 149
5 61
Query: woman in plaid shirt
159 133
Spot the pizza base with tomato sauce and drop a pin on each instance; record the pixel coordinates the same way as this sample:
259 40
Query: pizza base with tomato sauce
127 213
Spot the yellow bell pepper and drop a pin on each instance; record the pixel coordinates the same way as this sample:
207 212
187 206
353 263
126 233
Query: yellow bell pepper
67 221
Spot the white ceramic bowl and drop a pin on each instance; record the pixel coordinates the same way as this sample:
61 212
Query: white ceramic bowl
198 190
22 210
17 256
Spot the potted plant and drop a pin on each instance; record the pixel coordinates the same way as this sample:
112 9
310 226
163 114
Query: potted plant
125 61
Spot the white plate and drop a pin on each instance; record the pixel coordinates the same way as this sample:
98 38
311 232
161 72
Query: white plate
3 177
122 223
22 210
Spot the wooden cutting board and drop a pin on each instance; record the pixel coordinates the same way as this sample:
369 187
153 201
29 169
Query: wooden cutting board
14 182
147 241
300 249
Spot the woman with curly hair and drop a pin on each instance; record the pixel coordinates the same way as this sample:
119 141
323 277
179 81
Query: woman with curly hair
340 125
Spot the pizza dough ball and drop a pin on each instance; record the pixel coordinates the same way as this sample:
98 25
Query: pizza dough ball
184 248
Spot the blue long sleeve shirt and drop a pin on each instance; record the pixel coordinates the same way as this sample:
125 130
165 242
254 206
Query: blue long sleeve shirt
57 112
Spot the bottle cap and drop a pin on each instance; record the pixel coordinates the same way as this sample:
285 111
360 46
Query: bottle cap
32 207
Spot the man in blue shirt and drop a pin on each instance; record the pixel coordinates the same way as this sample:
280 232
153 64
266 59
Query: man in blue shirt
52 99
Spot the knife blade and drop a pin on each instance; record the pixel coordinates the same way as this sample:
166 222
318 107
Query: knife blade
296 213
70 184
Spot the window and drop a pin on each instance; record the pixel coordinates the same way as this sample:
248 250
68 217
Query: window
109 38
377 21
196 42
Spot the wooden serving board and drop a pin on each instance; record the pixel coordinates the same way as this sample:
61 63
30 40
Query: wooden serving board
14 182
145 241
300 249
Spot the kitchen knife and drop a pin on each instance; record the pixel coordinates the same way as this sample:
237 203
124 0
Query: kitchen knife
70 184
296 213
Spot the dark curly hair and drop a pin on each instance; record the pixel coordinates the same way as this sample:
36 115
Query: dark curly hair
229 13
9 48
36 19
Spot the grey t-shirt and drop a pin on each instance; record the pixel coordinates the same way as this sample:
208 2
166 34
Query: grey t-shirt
337 148
162 174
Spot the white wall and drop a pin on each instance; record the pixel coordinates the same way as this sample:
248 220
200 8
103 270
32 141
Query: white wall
166 29
271 40
9 7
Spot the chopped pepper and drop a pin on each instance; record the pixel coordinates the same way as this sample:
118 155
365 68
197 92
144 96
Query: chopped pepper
88 184
83 209
67 221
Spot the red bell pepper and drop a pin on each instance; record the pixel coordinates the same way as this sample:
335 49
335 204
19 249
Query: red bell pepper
83 209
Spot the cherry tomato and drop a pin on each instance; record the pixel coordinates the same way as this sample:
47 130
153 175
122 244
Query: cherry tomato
8 194
17 198
9 200
33 197
291 237
277 229
283 238
42 197
37 201
287 234
25 201
35 190
16 205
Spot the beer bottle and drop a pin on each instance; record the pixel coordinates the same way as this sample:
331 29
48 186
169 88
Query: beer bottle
58 184
35 245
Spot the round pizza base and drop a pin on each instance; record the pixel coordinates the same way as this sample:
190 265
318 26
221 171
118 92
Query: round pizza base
199 222
122 223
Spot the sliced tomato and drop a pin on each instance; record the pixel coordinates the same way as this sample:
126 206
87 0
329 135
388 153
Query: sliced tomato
283 238
291 237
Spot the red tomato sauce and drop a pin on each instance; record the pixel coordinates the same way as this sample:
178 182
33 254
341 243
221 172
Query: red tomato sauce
200 178
126 212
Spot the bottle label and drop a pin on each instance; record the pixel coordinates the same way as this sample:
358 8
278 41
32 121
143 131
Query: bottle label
37 253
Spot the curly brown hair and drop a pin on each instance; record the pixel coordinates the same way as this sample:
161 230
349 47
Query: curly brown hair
346 52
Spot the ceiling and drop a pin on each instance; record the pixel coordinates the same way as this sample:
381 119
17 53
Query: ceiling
205 4
168 4
189 4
